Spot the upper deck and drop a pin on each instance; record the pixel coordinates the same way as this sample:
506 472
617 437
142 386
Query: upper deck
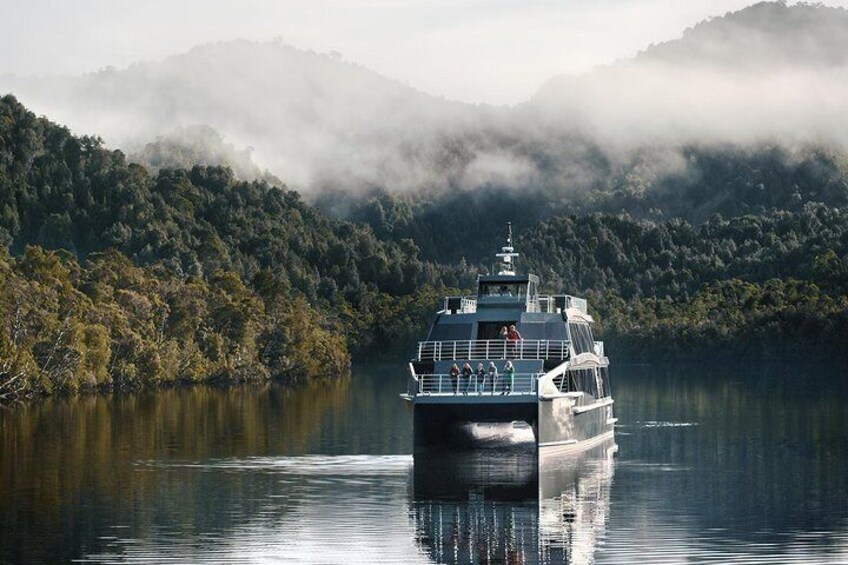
507 304
527 301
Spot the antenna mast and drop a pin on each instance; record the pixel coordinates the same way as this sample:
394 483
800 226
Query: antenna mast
507 254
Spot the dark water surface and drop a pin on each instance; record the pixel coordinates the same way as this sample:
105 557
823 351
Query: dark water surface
712 466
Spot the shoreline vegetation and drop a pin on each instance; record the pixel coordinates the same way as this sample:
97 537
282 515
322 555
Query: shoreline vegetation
110 325
115 279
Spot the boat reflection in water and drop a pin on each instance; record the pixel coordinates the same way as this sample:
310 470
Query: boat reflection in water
511 503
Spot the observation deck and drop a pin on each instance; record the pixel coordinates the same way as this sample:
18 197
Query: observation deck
488 349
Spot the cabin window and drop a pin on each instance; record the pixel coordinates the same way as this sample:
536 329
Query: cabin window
581 338
605 382
583 380
503 289
492 330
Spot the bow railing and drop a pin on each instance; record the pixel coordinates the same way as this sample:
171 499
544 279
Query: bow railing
491 385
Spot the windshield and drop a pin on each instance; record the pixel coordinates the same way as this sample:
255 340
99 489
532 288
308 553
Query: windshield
503 289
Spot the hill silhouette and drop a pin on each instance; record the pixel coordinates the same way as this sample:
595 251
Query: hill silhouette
772 73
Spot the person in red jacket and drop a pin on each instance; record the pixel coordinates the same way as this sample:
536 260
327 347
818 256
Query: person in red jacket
514 338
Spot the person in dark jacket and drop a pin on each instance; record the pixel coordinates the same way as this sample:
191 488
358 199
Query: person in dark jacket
466 374
480 383
454 377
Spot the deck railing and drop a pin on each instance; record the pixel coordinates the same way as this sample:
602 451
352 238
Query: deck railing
460 304
486 349
519 383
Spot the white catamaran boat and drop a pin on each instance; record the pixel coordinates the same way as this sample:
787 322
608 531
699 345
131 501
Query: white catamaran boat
532 359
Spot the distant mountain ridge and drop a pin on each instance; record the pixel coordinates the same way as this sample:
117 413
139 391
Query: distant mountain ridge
292 106
323 124
770 71
800 35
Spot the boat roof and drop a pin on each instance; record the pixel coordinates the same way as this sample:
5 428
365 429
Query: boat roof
507 278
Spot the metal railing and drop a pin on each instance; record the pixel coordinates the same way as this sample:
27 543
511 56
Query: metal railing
543 303
547 303
486 349
460 304
578 303
519 383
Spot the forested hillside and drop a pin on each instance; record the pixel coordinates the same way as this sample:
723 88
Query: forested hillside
233 279
69 192
191 274
726 235
729 180
107 323
756 286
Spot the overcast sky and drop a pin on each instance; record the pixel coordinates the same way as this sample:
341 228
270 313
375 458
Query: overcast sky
496 51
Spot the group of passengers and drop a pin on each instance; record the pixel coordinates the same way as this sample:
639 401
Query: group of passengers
482 380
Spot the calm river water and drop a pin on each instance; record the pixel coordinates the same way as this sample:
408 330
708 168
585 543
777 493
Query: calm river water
712 466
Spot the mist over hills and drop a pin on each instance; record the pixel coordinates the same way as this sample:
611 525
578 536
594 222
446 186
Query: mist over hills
308 117
770 73
762 37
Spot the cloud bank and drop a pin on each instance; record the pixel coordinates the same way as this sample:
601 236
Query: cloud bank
770 73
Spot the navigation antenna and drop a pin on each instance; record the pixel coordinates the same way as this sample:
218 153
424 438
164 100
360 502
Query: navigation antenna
507 254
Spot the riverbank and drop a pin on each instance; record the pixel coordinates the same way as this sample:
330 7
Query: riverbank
106 324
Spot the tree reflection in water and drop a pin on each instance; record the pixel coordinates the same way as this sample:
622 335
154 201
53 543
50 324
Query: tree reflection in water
511 504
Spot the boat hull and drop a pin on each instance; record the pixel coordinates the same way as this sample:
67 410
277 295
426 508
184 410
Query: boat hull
556 423
445 424
564 421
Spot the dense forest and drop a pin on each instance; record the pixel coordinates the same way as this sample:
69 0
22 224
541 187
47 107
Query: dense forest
115 276
729 180
109 323
186 275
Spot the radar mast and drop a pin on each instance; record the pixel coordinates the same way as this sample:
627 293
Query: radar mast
507 254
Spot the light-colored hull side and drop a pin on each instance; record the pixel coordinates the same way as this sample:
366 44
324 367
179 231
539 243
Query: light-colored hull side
562 422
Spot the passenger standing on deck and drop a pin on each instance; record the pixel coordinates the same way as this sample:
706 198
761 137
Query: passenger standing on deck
505 338
514 339
510 371
493 375
466 373
481 378
454 376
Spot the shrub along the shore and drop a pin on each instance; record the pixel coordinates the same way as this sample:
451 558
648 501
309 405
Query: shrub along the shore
108 324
